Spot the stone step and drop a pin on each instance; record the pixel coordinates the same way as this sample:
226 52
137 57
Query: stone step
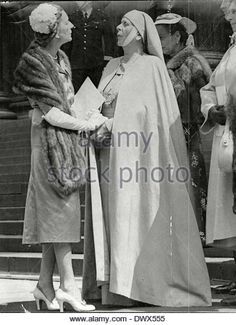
11 227
12 213
13 243
13 188
29 263
16 178
15 160
15 136
11 130
221 268
17 152
34 277
217 252
14 169
15 227
7 126
12 200
15 144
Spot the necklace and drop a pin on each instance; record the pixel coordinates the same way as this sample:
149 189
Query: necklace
55 58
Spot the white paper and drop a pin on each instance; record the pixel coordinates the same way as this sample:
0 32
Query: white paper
86 99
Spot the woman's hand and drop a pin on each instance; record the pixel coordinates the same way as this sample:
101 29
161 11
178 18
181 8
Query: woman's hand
101 133
217 114
58 118
96 120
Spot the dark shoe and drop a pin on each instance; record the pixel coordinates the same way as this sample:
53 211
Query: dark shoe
231 301
225 288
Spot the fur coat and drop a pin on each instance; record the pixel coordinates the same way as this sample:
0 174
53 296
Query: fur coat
189 72
36 76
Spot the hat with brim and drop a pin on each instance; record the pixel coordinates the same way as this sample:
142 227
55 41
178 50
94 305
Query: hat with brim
171 19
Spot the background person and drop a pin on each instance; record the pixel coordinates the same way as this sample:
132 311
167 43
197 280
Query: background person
189 72
140 251
221 220
52 213
92 42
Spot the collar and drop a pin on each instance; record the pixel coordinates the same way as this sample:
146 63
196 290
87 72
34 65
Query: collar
89 11
176 61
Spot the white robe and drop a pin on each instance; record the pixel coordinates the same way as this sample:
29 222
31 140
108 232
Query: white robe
220 220
155 253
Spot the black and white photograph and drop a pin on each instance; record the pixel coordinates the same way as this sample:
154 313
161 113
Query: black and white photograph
118 161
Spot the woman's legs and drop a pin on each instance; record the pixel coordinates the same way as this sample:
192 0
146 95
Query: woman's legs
45 282
64 263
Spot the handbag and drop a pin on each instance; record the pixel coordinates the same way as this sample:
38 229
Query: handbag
226 149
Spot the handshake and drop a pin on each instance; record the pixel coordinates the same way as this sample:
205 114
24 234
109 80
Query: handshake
58 118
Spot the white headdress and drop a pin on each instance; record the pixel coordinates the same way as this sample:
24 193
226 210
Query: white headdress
146 28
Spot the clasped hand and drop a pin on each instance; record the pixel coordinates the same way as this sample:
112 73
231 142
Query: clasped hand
101 133
217 114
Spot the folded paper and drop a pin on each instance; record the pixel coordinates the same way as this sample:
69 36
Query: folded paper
86 100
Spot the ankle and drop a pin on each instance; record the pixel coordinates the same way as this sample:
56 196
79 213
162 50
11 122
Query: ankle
47 289
45 285
71 289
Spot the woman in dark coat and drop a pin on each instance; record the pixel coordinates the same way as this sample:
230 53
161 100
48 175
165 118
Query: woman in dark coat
189 72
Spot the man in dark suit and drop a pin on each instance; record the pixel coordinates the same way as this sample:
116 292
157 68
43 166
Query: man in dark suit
92 43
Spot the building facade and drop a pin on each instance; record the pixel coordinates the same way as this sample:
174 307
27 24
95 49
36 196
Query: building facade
211 38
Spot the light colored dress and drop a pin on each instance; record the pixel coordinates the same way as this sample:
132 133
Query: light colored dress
49 217
151 250
220 220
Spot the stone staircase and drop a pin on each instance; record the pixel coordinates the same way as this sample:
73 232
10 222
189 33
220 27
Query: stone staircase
14 174
17 259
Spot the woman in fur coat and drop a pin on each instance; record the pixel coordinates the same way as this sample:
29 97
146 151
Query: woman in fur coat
58 165
189 72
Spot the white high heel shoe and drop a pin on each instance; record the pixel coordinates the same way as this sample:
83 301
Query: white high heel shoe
40 297
77 305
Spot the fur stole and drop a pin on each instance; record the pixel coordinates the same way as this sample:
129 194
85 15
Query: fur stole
36 76
187 53
188 70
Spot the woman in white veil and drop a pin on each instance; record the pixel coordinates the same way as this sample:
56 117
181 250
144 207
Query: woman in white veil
150 250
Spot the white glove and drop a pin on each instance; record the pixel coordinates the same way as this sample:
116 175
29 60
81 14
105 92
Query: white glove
94 116
58 118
